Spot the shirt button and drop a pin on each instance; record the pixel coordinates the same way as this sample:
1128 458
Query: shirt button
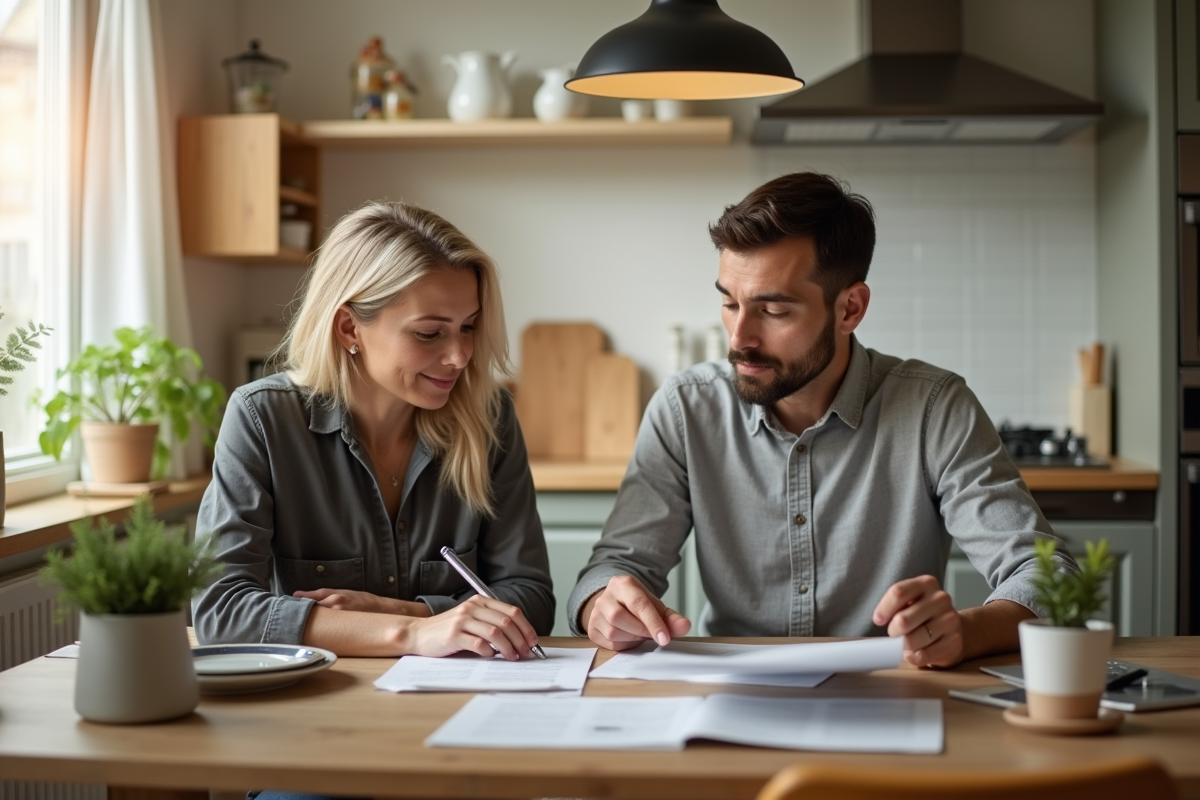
400 525
320 567
801 519
801 449
391 578
802 589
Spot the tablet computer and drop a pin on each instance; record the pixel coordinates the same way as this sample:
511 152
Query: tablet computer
1158 690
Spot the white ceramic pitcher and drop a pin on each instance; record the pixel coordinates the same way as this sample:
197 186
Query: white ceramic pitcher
553 101
481 91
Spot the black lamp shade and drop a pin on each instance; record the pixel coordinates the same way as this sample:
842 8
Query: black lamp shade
684 50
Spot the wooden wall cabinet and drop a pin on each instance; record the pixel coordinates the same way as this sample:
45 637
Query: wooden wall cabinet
235 171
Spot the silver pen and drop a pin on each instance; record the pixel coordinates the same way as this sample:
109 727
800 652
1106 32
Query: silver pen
479 586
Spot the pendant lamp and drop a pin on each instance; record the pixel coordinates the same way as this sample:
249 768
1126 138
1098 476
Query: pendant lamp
684 50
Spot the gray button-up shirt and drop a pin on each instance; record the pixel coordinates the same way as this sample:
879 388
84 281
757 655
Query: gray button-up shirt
802 535
295 505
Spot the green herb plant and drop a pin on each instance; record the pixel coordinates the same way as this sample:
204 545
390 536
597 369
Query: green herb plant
155 570
18 351
1069 597
144 378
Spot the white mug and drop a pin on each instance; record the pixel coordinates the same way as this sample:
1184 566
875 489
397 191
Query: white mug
669 110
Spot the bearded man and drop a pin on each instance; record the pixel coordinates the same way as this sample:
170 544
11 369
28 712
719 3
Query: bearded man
825 482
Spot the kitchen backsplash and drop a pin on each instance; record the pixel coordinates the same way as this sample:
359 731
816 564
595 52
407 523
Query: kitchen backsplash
985 262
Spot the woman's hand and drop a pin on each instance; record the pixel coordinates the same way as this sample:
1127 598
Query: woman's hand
351 600
480 625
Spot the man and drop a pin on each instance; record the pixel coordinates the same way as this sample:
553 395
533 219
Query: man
824 480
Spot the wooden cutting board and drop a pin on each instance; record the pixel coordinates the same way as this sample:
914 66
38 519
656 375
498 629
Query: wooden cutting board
550 399
611 410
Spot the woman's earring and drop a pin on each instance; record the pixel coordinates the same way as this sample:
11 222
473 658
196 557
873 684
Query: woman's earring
353 349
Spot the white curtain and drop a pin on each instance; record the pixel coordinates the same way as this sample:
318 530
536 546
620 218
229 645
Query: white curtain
132 262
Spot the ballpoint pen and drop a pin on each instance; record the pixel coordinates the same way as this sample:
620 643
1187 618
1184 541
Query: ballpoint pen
1121 681
479 586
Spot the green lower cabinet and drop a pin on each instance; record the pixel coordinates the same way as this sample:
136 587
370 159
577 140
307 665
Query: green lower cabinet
1131 595
572 522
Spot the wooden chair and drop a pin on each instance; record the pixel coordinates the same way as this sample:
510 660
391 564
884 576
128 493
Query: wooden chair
1123 779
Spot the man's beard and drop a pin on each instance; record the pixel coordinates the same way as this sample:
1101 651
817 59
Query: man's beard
788 379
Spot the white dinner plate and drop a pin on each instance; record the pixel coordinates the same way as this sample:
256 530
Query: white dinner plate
239 683
229 659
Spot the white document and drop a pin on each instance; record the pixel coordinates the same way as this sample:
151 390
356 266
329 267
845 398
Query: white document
667 723
803 665
858 655
564 669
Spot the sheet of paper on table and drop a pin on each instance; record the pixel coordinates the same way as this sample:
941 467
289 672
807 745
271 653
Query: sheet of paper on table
668 723
803 665
564 670
625 665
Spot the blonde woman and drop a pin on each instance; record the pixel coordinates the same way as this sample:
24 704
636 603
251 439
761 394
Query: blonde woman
337 482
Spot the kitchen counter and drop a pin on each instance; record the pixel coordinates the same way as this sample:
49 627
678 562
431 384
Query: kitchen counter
30 526
1123 475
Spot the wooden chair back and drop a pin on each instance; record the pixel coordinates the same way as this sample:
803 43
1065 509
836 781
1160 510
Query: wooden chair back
1125 779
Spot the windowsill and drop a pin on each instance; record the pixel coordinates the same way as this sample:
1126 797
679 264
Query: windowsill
29 526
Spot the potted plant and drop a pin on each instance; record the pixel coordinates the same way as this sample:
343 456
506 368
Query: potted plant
1064 657
17 352
120 394
135 663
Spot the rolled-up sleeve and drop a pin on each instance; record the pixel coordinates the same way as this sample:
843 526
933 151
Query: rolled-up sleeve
238 511
985 503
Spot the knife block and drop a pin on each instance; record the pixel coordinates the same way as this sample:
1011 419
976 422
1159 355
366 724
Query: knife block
1089 413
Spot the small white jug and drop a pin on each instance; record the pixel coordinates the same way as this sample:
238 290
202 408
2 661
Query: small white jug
481 91
553 101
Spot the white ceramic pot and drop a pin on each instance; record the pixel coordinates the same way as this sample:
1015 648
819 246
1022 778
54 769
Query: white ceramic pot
553 101
1065 668
134 668
481 91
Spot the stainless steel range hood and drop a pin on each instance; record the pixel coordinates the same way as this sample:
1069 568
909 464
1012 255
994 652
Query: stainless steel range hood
918 87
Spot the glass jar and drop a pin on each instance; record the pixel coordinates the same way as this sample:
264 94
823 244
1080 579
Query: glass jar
254 79
398 96
369 80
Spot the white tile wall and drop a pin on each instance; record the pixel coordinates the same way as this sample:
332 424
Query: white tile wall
985 263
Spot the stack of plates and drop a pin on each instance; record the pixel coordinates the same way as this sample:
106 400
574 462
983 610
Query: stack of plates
236 668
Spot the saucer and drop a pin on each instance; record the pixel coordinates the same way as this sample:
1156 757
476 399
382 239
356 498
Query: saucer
241 683
1106 721
231 659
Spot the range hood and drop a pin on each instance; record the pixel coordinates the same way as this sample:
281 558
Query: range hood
918 87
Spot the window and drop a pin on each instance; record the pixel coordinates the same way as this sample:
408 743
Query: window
27 282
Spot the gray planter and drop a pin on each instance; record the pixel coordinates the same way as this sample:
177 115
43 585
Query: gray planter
134 668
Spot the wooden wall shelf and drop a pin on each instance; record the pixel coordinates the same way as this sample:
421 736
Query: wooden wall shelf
600 131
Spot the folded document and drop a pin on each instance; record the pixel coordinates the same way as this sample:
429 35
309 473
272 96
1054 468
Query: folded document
667 723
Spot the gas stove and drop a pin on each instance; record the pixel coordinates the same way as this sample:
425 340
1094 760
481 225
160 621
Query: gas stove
1039 447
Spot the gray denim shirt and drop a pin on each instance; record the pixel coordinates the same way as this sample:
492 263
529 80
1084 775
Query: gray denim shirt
802 535
295 505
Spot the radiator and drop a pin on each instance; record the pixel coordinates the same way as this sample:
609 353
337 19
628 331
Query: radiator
29 629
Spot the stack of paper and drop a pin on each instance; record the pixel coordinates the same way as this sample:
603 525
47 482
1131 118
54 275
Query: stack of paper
667 723
804 665
564 669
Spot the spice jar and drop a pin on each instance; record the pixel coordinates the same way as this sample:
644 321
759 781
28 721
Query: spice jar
398 96
254 79
369 80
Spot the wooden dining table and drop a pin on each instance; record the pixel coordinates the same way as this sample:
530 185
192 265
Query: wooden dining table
335 733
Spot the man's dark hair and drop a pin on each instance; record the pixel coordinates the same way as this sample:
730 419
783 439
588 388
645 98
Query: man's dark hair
840 223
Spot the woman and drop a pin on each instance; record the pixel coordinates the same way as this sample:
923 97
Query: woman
336 483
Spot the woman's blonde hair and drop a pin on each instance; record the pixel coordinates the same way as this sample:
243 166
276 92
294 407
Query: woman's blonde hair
369 258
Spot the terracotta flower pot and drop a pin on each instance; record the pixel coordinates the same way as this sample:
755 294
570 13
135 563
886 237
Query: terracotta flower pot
119 453
1065 668
135 668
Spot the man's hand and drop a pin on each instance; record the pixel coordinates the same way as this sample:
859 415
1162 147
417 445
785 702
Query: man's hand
623 614
924 615
351 600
